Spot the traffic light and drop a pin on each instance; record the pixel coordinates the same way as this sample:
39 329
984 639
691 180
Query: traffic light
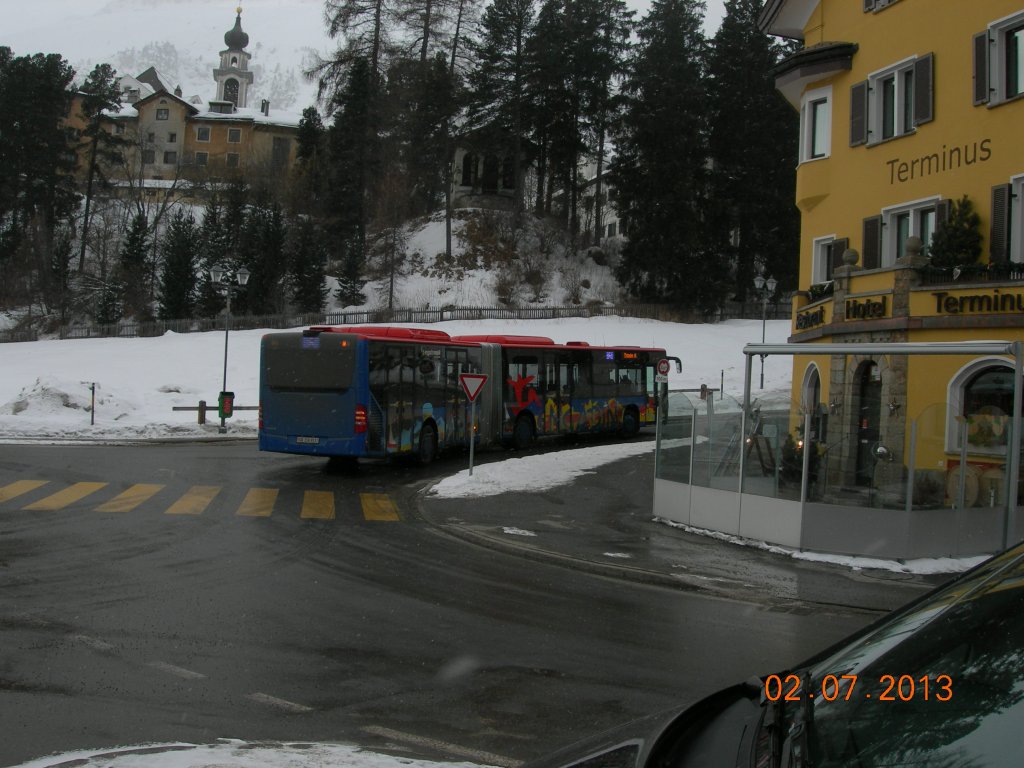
226 405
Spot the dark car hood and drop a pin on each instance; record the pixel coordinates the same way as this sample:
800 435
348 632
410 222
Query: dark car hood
711 731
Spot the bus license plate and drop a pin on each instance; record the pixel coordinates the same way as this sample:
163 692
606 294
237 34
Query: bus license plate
307 440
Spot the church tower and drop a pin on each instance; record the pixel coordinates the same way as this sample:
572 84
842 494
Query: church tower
233 76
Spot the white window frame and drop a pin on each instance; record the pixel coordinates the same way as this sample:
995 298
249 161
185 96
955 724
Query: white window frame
233 160
199 134
819 259
163 113
807 124
237 133
202 158
876 104
998 51
890 232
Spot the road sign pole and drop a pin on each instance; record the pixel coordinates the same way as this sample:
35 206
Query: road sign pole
472 433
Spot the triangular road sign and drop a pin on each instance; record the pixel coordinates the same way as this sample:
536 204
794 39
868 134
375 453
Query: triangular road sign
472 383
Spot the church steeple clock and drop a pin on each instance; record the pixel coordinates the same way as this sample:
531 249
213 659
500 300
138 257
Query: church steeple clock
233 76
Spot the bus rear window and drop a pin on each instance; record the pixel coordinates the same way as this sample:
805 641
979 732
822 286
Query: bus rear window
307 367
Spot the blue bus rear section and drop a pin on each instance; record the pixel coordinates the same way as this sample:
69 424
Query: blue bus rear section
305 409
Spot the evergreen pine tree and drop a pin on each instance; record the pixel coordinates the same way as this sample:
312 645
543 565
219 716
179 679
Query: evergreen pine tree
262 250
214 245
133 269
753 142
179 248
101 93
498 84
659 172
957 240
307 258
351 164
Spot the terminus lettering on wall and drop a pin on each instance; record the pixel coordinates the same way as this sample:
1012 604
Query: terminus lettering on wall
866 309
948 159
996 301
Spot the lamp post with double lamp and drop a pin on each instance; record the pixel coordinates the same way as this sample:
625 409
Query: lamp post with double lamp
227 284
766 287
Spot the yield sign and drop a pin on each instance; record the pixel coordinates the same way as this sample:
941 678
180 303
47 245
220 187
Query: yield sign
472 383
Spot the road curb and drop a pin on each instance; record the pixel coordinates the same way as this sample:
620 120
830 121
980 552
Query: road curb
683 582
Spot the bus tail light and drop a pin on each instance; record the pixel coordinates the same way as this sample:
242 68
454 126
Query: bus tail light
360 419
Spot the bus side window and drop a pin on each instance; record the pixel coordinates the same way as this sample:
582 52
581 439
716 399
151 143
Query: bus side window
605 384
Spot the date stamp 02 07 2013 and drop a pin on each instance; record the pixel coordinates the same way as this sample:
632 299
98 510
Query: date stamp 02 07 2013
835 687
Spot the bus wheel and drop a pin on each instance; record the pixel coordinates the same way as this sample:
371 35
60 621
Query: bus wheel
428 444
522 435
630 423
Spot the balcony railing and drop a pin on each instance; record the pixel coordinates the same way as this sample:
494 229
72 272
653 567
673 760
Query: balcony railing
974 273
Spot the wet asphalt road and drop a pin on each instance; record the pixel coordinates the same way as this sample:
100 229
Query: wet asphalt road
136 613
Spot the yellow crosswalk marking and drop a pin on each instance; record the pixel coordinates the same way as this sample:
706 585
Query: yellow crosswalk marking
69 495
195 501
131 498
378 506
18 487
258 502
318 505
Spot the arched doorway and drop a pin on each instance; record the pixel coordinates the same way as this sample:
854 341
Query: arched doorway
869 419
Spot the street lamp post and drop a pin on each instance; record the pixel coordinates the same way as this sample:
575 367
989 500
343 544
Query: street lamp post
223 282
766 287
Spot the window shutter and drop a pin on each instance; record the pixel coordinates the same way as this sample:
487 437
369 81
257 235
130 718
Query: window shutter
943 210
871 248
836 250
999 236
924 90
859 114
981 75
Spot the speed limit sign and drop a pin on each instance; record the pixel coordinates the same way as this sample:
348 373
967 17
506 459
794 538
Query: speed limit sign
662 371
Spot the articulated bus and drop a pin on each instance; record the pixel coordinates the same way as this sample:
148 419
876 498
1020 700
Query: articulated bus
379 391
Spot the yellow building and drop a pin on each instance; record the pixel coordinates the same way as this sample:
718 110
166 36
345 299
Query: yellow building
907 106
171 142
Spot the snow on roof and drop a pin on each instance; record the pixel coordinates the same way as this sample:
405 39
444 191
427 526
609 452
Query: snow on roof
246 114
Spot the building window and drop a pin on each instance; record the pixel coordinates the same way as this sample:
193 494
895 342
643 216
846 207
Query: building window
232 161
816 124
170 158
163 113
892 102
281 150
980 401
234 135
119 129
828 255
148 156
468 166
172 138
612 230
203 133
999 61
151 137
885 236
202 158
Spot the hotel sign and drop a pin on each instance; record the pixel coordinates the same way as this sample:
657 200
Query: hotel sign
867 309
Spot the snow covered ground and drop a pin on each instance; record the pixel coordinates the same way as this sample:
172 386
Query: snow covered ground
46 386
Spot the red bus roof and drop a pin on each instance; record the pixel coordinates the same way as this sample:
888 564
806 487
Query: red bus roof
507 341
385 331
